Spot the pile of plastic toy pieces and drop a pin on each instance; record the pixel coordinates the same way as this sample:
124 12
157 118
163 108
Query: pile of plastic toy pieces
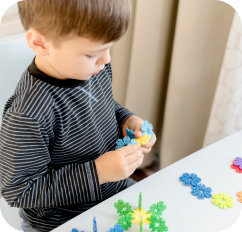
140 216
147 134
201 191
237 164
127 216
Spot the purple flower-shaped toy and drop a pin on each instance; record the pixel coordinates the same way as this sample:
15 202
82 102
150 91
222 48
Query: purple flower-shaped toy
190 179
201 191
238 162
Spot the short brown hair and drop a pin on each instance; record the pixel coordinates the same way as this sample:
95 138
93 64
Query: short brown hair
105 20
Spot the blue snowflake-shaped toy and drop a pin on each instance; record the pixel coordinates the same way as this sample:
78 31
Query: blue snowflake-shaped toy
132 142
117 228
190 179
130 134
201 191
124 142
147 128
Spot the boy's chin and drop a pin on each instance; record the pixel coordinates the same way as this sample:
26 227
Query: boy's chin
82 78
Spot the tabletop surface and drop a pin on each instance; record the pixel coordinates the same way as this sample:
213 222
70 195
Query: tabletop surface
184 212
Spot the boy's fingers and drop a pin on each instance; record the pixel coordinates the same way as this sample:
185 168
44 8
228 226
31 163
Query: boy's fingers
135 164
127 150
151 143
129 159
138 133
146 151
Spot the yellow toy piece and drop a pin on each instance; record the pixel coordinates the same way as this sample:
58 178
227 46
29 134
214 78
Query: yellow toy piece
223 200
143 140
141 214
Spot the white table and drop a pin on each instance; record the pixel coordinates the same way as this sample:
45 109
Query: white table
185 212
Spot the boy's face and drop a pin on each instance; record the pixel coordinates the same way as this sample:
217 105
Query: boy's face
77 58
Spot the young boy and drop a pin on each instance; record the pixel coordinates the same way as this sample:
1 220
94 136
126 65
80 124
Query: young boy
59 129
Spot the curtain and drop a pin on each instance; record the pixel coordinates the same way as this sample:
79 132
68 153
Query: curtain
226 114
166 70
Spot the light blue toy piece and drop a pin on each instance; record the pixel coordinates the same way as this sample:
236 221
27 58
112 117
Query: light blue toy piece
147 128
124 142
132 142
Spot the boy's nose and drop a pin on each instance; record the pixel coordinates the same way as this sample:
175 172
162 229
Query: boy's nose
104 59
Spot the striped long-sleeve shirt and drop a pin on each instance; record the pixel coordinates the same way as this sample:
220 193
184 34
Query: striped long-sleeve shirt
52 131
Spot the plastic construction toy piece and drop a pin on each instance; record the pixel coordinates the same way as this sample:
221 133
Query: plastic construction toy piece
157 208
147 129
117 228
140 201
238 162
201 191
238 170
130 134
157 224
94 225
141 226
76 230
130 139
141 214
239 194
125 221
123 208
143 140
124 142
223 200
190 179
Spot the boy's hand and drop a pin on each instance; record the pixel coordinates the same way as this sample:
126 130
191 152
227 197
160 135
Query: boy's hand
134 123
118 165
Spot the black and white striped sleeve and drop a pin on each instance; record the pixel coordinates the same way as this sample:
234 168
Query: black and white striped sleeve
121 113
26 179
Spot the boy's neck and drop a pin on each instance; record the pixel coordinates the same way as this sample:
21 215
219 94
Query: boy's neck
46 68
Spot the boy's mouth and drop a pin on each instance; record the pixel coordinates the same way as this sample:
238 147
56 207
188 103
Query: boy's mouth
97 72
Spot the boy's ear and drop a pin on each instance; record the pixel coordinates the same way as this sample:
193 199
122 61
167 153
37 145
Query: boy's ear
37 42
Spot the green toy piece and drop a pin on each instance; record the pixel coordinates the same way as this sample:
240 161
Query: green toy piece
140 201
157 208
157 223
125 221
123 208
141 226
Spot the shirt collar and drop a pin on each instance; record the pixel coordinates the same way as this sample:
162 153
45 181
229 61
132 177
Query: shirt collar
68 83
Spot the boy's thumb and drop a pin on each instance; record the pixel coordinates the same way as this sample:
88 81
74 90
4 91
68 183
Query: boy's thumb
138 133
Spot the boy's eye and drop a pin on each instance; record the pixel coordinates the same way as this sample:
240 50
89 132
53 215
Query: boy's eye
91 57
